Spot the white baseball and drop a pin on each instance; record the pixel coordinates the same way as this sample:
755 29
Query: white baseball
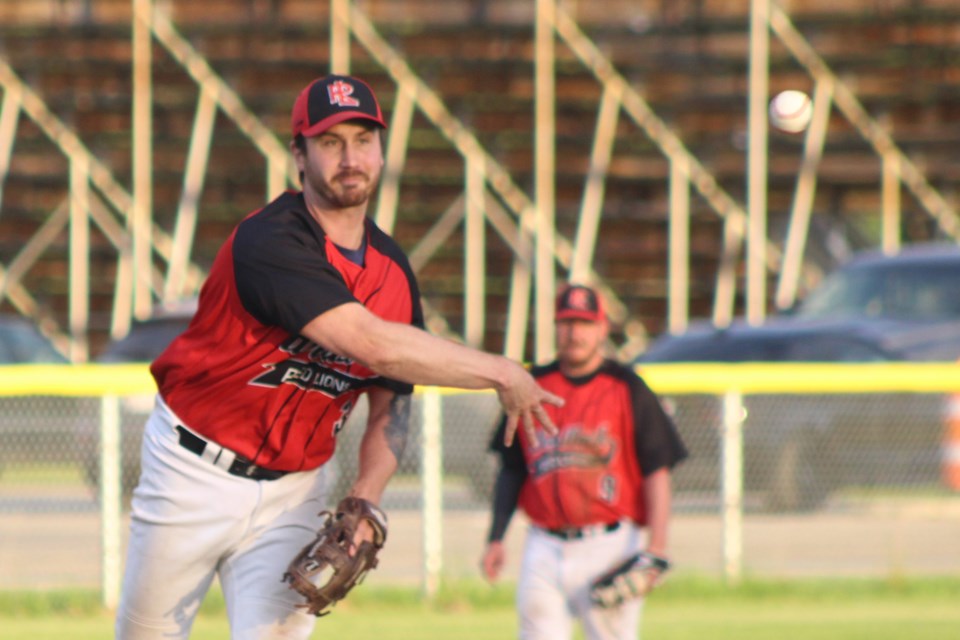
790 111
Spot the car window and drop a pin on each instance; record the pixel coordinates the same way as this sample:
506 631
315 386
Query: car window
716 348
911 292
20 342
832 349
146 340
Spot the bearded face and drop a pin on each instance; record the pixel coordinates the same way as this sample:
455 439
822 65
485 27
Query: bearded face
580 344
345 190
342 165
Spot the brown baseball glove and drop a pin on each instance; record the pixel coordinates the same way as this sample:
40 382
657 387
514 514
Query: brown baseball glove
632 578
330 566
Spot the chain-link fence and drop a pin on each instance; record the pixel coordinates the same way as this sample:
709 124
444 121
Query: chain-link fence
468 420
803 451
830 482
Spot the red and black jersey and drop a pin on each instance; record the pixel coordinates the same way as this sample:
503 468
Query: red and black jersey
243 376
612 433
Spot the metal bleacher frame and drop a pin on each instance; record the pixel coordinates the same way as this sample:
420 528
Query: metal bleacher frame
490 195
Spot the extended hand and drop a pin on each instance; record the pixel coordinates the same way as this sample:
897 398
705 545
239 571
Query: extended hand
522 400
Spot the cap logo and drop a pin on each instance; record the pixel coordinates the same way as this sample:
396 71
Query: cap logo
341 94
579 299
328 101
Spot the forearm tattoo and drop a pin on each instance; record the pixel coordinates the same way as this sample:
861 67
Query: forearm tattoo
398 428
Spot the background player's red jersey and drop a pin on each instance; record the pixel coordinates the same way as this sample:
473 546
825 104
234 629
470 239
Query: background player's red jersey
612 432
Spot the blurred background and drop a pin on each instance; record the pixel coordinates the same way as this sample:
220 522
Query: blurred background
627 143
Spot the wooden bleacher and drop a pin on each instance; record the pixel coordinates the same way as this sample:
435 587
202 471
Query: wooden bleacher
688 58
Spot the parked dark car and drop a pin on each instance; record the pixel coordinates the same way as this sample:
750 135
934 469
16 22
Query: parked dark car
786 341
799 449
33 429
876 307
148 338
22 343
143 343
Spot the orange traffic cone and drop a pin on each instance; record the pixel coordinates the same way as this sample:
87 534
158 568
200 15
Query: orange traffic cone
951 444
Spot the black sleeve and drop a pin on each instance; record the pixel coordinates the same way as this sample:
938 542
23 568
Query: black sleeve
509 482
281 270
511 456
657 440
506 494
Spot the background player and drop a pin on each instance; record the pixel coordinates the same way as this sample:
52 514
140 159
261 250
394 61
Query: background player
308 305
588 489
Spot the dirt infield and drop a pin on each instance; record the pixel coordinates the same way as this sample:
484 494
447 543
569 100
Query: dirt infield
61 549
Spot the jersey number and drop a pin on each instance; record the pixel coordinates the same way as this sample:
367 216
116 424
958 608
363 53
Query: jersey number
608 488
342 420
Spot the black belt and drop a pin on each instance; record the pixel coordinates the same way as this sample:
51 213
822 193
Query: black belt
578 533
239 466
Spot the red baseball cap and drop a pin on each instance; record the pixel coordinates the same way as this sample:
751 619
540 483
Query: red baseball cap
579 302
331 100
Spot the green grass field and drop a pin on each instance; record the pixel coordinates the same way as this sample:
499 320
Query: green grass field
686 608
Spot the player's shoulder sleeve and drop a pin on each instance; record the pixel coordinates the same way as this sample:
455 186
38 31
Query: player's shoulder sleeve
405 285
386 245
282 274
657 439
543 370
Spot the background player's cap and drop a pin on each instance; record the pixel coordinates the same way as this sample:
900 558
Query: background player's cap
331 100
579 302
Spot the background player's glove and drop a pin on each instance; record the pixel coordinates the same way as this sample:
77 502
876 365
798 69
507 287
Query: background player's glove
329 567
632 578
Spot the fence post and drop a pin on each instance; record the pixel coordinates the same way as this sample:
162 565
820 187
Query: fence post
110 492
431 470
732 486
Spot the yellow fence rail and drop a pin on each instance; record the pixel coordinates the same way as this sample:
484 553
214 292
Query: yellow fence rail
683 379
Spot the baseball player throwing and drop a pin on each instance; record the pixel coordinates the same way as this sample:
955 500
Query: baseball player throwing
587 490
307 306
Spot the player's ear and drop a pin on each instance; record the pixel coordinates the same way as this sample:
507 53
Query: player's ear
604 328
298 148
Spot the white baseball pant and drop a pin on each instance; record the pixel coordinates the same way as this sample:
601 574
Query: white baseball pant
192 520
554 585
